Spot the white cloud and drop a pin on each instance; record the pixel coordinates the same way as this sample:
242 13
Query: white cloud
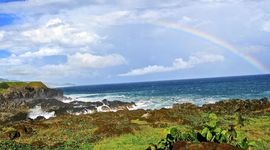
79 63
50 33
178 64
43 52
2 33
76 63
57 31
87 60
22 70
12 60
50 36
266 26
111 18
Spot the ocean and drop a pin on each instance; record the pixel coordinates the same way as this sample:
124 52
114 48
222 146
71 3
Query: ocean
163 94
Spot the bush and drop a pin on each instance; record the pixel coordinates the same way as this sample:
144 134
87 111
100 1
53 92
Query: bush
3 85
210 133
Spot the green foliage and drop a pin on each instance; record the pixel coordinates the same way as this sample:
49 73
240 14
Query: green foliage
3 85
10 145
14 84
210 133
36 84
75 145
136 141
213 133
175 135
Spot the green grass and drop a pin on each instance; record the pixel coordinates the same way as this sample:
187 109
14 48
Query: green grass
4 86
36 84
137 141
68 129
258 129
20 84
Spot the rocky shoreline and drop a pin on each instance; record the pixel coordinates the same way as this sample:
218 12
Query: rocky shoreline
17 102
116 118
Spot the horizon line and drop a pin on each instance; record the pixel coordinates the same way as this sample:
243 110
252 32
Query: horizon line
164 80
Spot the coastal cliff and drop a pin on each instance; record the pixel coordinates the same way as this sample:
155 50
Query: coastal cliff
14 95
15 98
18 100
27 91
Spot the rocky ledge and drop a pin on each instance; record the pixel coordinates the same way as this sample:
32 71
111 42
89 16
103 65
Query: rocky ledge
78 107
230 106
18 99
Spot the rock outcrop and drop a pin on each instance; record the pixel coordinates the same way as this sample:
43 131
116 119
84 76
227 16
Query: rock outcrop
28 93
17 98
237 106
230 106
78 107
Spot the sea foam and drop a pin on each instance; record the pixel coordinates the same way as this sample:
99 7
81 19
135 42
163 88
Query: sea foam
37 111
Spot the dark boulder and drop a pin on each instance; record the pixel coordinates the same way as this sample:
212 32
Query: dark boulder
24 130
118 104
13 135
39 118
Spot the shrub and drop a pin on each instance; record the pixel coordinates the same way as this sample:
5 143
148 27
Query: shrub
3 85
210 133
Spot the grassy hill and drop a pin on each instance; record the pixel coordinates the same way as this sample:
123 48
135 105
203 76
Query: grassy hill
4 86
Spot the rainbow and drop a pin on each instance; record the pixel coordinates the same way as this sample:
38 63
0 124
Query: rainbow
262 68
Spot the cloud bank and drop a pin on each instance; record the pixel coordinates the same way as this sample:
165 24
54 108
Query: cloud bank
178 64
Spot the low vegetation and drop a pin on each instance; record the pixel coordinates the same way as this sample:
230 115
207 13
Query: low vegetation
240 126
212 132
4 86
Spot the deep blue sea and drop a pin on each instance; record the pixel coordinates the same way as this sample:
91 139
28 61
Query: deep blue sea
159 94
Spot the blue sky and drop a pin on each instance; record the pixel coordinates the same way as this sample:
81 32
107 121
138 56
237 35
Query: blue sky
110 41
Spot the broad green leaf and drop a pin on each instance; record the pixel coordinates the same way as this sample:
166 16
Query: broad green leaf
212 124
217 130
223 132
174 132
204 132
209 136
213 116
252 143
213 138
244 145
161 146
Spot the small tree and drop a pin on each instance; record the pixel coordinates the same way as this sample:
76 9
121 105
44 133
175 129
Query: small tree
3 85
